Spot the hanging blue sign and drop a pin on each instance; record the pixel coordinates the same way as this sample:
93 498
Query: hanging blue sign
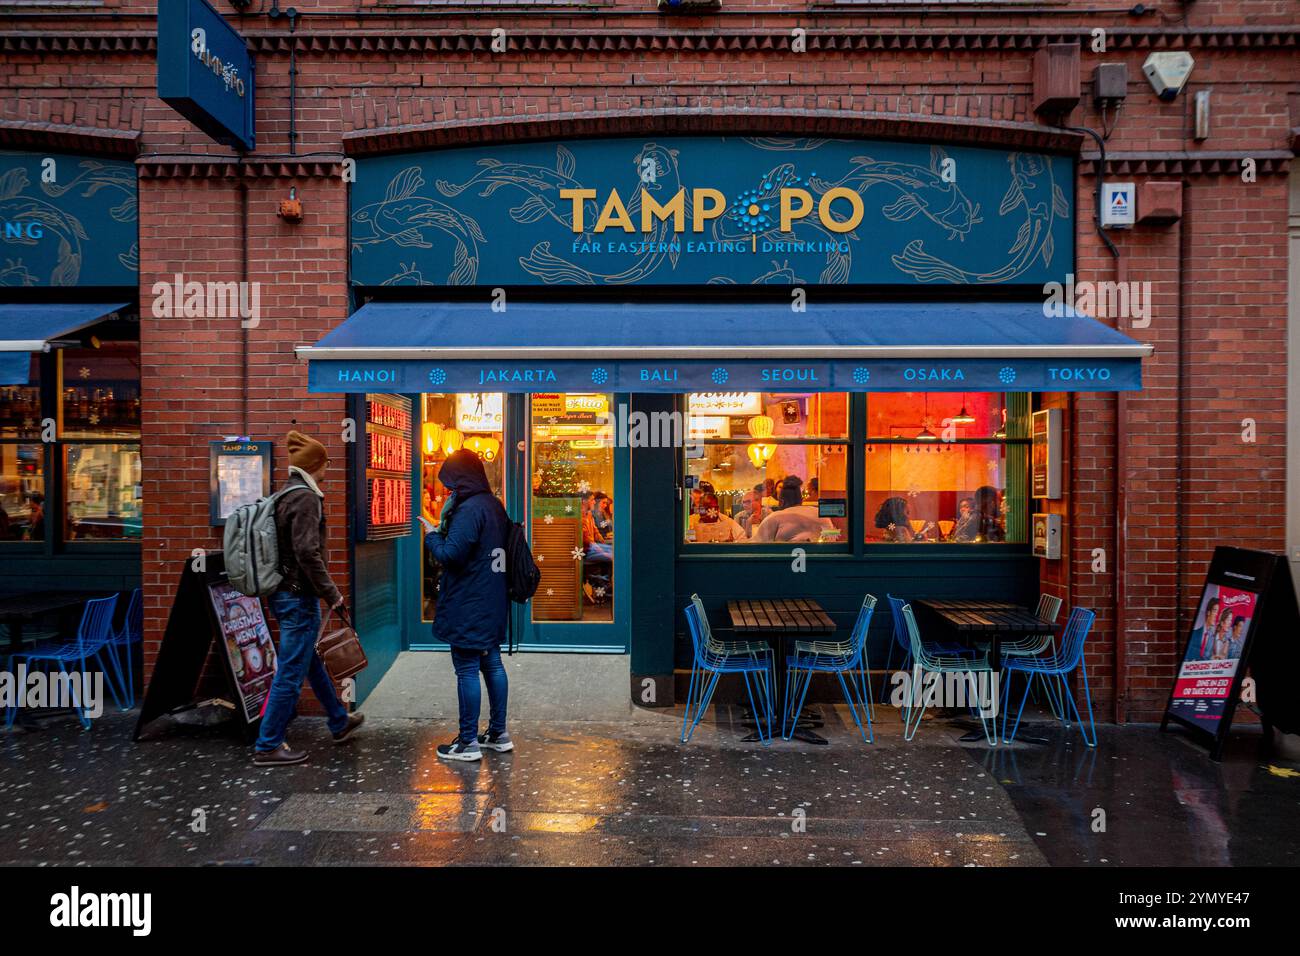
67 221
205 71
866 375
710 210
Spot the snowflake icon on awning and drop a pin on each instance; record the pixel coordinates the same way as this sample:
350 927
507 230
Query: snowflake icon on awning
1006 375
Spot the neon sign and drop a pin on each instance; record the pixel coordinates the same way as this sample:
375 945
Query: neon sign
390 445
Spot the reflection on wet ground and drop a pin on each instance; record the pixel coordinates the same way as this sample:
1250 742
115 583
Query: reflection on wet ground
628 793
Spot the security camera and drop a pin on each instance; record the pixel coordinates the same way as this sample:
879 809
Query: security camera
1168 72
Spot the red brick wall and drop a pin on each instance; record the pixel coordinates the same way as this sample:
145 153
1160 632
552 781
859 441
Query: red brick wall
966 67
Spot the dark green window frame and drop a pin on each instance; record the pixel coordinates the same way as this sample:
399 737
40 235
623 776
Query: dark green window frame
1017 442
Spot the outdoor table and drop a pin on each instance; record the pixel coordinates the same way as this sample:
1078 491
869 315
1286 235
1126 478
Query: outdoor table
778 622
17 609
987 622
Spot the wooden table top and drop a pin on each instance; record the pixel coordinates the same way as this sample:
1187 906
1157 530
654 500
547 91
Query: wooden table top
786 616
988 617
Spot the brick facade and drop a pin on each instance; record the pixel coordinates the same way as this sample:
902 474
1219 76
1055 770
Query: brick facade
389 78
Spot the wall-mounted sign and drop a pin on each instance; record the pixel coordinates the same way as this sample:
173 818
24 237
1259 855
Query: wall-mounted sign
384 508
205 71
1247 615
67 220
1045 453
480 411
726 403
1047 536
695 210
239 472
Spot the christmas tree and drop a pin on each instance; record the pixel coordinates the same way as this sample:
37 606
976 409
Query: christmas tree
559 479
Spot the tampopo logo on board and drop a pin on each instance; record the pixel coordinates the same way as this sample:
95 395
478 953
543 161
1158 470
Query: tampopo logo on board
793 204
76 909
227 72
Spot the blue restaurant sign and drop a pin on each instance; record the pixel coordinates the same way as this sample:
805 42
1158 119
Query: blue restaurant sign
205 71
67 221
713 210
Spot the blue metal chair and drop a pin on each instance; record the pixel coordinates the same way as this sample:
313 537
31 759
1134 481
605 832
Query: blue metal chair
926 660
1049 608
713 658
1056 665
903 640
124 642
832 657
94 634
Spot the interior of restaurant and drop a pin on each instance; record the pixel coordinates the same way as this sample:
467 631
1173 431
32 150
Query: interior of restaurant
570 490
938 468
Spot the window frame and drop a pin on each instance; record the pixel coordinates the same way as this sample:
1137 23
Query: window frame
857 547
54 461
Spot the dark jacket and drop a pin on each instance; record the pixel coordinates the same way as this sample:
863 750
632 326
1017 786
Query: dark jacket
472 599
300 534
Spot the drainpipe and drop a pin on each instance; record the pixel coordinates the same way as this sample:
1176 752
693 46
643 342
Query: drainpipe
243 278
1120 476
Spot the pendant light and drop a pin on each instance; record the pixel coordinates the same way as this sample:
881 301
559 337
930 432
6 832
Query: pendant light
963 417
925 433
451 441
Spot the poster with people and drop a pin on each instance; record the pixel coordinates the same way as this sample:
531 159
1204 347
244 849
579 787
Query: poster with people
247 643
1209 667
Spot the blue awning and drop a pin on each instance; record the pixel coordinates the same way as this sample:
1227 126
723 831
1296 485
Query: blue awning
25 329
673 347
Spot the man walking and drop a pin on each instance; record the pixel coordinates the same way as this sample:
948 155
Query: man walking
300 534
469 545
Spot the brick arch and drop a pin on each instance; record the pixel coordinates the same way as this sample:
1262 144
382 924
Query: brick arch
832 123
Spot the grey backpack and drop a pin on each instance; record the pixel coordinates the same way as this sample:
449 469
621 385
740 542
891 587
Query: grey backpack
251 546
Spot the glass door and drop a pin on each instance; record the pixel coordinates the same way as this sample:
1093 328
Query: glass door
573 486
552 461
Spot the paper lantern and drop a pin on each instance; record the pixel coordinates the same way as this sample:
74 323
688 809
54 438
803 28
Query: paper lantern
760 426
491 448
476 444
451 440
432 438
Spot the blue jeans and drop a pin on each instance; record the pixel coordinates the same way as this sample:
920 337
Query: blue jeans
468 664
299 618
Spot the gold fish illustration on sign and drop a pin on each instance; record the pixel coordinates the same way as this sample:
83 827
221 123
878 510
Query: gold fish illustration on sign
402 217
541 184
921 190
15 207
1032 189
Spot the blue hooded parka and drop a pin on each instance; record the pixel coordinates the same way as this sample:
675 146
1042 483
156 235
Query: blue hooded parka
472 598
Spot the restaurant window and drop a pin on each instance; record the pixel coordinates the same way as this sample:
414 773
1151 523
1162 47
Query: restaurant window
572 505
22 460
946 468
99 432
473 420
766 467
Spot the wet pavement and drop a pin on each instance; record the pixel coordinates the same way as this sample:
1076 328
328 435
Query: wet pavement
628 794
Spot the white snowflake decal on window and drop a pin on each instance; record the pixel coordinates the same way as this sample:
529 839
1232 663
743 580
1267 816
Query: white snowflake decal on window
83 372
549 519
576 553
584 486
600 592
